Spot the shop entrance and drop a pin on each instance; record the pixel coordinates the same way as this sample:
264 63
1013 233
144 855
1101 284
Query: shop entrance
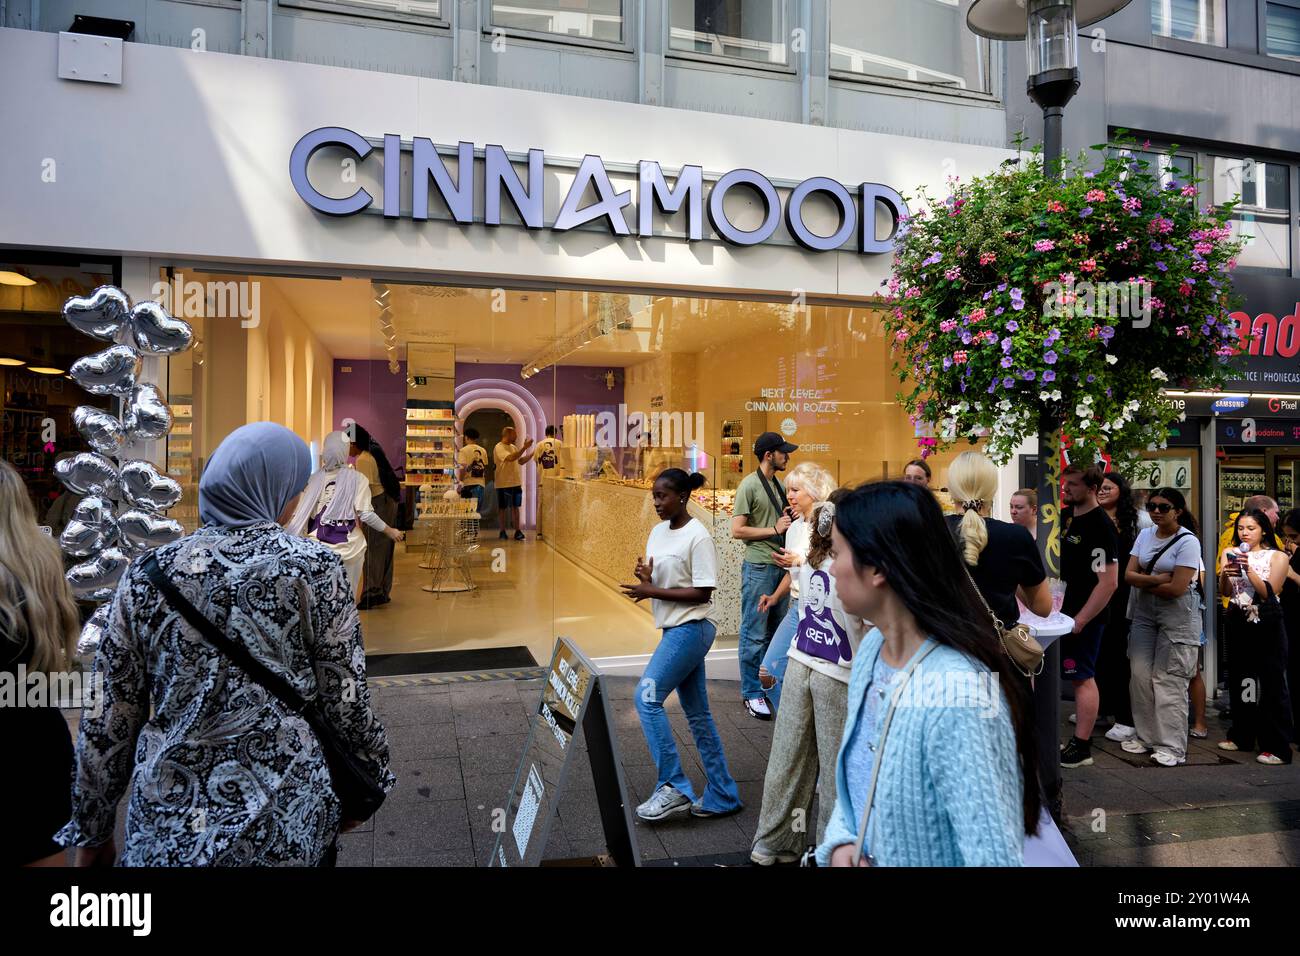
627 383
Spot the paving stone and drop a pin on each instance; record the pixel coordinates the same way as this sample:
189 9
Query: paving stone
356 848
431 779
480 755
409 828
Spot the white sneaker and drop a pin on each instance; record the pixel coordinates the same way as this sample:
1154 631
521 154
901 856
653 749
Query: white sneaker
1134 746
666 802
759 707
1074 718
1166 759
1121 732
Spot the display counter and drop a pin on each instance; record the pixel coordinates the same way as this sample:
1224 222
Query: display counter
602 526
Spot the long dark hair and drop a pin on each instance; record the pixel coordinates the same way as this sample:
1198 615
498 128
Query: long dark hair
387 477
1266 526
819 545
893 526
1175 497
1126 515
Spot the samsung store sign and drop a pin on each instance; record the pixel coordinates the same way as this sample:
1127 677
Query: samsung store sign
856 214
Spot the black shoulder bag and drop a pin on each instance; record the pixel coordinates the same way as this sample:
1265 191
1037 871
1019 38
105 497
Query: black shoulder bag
776 503
358 792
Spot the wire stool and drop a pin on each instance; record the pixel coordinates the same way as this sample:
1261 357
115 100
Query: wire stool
453 537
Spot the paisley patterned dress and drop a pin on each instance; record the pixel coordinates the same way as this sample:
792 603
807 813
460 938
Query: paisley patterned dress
220 772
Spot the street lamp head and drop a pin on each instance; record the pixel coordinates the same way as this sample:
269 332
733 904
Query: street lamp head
1008 19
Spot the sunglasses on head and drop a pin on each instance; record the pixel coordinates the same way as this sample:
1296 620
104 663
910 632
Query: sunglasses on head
1159 507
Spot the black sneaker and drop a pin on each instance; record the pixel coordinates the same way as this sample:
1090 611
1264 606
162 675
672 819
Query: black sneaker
519 536
503 536
1077 753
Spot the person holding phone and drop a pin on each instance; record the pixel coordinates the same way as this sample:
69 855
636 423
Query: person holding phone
807 486
1254 572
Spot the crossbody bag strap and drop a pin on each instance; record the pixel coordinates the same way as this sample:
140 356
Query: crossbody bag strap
772 497
880 746
233 650
1169 544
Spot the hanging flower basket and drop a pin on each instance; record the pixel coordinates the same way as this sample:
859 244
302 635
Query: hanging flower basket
1080 298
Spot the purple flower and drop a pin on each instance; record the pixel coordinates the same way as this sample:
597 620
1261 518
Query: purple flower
1006 361
965 338
985 297
1110 393
1065 351
931 260
1008 382
1002 287
1157 246
1006 345
993 385
1013 325
1085 212
1091 173
999 310
947 363
1091 378
1107 333
962 383
1049 358
1049 376
1160 264
1028 375
1017 304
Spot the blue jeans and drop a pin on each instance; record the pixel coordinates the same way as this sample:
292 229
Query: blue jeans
757 627
778 652
475 492
678 664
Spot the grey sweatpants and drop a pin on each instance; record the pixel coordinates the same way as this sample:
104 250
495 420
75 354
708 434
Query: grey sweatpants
1162 652
805 745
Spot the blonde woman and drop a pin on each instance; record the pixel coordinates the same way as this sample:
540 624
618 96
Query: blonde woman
807 486
1001 557
38 630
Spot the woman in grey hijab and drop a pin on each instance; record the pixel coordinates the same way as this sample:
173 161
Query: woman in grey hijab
221 772
334 505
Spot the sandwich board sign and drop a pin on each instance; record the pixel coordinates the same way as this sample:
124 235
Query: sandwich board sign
572 696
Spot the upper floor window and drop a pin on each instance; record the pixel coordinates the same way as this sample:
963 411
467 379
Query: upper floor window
1198 21
1262 217
385 9
584 19
739 29
1170 170
924 41
1282 30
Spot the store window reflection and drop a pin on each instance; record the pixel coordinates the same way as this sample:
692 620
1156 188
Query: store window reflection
602 390
922 41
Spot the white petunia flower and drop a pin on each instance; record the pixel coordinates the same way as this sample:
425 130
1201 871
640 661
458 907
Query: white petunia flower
1083 411
1112 359
1158 375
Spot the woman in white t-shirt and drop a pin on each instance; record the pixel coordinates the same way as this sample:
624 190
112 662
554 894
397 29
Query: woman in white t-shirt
1165 635
807 486
678 575
810 724
333 506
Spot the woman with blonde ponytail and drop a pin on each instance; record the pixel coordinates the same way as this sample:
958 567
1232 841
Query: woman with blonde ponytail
38 631
1001 557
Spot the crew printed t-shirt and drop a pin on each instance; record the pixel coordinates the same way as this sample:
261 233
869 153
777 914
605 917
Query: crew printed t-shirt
507 471
473 459
548 453
753 502
1010 559
1090 538
827 636
684 558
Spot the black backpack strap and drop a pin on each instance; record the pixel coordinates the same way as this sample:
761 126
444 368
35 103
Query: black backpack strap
233 650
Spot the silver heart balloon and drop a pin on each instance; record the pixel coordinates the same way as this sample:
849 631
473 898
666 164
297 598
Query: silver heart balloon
91 529
145 488
88 473
157 332
92 632
95 580
101 315
144 530
145 416
111 372
102 430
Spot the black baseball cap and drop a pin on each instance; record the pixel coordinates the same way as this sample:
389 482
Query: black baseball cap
771 441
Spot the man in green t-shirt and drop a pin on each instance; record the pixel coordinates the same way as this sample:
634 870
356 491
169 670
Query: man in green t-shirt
760 520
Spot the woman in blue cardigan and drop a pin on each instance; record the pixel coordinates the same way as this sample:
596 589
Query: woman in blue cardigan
957 783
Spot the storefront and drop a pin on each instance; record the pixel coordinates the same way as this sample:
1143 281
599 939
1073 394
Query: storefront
659 286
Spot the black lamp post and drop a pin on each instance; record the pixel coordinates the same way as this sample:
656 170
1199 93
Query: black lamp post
1050 29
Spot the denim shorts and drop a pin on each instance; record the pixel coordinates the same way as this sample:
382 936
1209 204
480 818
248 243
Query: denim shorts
510 497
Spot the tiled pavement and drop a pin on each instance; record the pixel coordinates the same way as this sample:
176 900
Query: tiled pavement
456 748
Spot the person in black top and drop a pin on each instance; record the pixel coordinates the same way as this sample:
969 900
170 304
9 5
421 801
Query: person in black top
1291 614
1090 570
1002 557
38 629
1116 499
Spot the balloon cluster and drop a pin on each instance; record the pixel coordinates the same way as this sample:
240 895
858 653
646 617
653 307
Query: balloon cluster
122 514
